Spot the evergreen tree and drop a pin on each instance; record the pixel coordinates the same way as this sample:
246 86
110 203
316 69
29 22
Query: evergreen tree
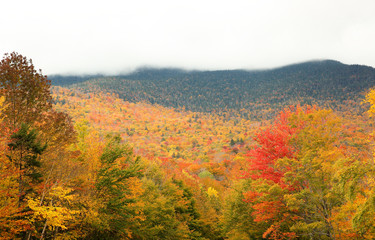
26 149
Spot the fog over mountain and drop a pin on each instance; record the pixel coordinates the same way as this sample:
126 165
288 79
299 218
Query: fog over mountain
113 37
326 83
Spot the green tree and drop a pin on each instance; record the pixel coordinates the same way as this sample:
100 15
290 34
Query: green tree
25 151
163 197
118 187
238 219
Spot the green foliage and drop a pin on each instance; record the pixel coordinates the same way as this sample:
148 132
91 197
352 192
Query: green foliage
25 151
206 174
238 219
116 187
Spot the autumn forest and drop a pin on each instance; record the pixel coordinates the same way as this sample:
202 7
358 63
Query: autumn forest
171 154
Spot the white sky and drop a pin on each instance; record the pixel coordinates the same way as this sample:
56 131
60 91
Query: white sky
109 36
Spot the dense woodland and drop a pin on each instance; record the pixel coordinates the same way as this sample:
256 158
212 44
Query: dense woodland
257 95
91 162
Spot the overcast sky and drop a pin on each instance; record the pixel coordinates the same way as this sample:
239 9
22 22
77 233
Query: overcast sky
109 36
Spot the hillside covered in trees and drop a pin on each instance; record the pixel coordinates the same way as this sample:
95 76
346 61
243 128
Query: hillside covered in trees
261 94
82 162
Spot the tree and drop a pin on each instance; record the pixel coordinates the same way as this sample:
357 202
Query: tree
297 170
33 124
162 221
25 151
27 92
238 214
268 186
12 221
118 187
311 173
359 180
370 98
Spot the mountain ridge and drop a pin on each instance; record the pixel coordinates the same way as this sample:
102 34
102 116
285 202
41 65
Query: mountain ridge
177 70
326 83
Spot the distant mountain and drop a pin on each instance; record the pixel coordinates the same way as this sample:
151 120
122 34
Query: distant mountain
261 93
66 80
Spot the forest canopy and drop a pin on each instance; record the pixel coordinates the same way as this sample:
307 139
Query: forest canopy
256 95
84 162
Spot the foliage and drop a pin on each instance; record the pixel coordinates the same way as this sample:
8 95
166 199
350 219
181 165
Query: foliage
25 151
238 214
27 92
12 221
255 94
35 136
66 173
294 168
118 187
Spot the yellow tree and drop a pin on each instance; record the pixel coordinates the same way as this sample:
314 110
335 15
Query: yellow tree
357 215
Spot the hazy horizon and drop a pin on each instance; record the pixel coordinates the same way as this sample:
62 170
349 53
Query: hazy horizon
113 37
147 67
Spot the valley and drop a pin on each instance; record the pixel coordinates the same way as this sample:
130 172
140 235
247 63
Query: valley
285 153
